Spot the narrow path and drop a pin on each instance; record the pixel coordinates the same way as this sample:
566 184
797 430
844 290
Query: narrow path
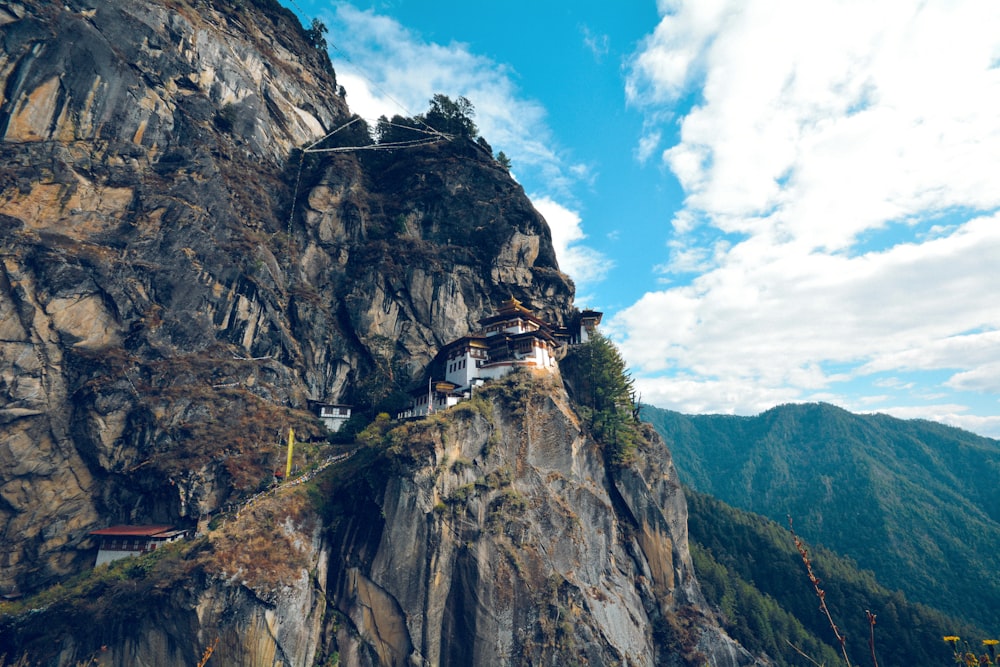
273 490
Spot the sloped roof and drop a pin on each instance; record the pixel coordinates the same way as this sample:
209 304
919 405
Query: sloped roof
512 309
131 531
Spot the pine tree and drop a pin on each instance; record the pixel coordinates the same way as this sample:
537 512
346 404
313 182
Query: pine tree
601 383
452 116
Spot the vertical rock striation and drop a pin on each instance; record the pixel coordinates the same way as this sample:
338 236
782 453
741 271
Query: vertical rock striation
497 533
176 281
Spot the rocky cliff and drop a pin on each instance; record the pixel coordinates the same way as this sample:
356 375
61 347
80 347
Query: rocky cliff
498 533
178 280
162 296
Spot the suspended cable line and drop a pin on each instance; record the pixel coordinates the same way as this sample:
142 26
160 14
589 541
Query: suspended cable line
379 147
431 138
308 148
361 72
384 93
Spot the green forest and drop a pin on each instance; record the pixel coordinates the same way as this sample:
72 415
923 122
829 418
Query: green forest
915 502
751 572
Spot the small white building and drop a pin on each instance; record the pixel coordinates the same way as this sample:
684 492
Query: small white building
438 395
586 326
124 541
581 328
333 415
463 358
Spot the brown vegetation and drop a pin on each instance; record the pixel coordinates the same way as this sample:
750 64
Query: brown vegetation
265 547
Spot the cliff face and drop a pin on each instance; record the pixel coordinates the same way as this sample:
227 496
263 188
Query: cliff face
178 280
130 223
250 593
493 533
499 534
165 306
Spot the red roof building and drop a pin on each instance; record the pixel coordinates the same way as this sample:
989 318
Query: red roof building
123 541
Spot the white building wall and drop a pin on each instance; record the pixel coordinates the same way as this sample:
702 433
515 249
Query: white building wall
334 416
418 408
495 371
462 369
333 424
519 326
107 556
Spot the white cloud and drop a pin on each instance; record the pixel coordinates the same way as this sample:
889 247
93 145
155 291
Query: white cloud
687 257
984 378
598 44
695 395
823 119
952 415
583 263
365 101
673 55
648 144
770 318
804 128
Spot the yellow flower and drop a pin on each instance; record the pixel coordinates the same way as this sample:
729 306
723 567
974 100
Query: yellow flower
951 638
991 642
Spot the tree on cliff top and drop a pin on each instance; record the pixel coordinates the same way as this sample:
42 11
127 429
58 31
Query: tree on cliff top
444 115
601 384
452 116
315 35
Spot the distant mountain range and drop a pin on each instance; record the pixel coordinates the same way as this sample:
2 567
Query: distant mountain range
751 572
916 502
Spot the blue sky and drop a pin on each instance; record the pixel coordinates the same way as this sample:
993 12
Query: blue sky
772 201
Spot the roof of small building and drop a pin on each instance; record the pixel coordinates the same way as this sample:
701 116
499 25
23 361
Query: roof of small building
443 386
438 386
131 531
477 340
512 309
325 404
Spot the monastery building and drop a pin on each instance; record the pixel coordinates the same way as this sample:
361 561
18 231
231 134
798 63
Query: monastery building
512 338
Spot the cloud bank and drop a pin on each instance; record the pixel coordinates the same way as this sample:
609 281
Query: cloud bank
840 225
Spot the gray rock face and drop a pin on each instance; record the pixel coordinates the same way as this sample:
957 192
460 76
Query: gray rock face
219 607
501 537
124 244
176 283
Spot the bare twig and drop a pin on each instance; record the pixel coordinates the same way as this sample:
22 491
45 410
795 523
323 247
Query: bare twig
804 654
820 593
871 635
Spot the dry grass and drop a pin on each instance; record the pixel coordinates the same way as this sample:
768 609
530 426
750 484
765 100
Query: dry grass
266 547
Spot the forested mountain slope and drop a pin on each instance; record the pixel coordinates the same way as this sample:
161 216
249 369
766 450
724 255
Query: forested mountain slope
750 569
916 502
